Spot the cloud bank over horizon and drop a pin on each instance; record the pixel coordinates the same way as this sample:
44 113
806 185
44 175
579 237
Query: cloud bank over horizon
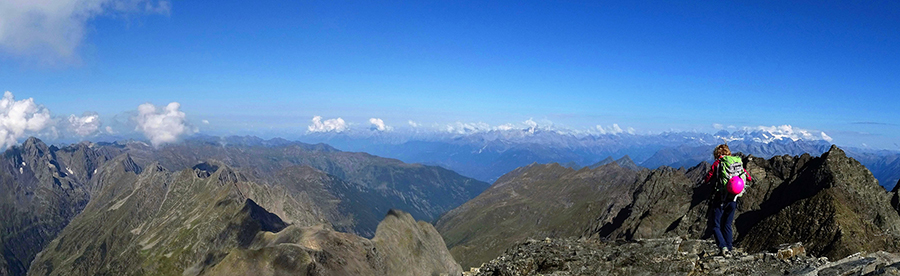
168 124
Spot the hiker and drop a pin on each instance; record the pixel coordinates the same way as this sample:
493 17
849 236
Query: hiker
728 176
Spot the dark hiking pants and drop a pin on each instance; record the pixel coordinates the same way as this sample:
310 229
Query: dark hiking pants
723 216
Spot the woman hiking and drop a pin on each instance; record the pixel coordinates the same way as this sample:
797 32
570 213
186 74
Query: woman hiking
728 176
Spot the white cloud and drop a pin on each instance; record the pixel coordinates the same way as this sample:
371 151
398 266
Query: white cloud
87 124
17 117
378 124
717 126
205 122
413 124
163 125
52 30
336 125
532 125
109 130
505 127
467 128
614 129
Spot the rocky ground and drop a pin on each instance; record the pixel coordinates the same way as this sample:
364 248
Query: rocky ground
673 256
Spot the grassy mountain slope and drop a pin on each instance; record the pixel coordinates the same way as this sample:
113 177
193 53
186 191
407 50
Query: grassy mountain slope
382 183
534 201
213 220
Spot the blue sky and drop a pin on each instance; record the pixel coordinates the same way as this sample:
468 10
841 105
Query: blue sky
269 67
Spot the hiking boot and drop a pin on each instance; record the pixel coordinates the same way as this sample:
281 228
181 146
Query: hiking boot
725 252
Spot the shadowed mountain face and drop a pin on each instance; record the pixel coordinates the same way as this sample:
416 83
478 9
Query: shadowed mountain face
166 222
366 185
41 189
203 222
45 187
830 203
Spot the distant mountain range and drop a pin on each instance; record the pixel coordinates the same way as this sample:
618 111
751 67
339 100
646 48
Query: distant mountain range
122 208
238 205
486 155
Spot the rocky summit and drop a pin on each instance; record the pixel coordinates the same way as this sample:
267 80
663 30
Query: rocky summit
831 203
402 247
673 256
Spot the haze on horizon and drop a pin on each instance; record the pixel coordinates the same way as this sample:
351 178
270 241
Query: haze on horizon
164 70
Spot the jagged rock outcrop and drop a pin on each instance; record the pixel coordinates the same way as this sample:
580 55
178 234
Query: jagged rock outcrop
830 203
401 246
41 189
412 248
673 256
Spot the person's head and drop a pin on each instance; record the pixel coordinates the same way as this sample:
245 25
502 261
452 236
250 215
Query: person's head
721 150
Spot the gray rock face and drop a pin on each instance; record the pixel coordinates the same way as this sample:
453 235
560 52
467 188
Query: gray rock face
41 189
831 204
672 256
413 248
402 246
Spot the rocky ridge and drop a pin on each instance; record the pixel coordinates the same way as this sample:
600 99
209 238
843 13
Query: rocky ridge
673 256
368 185
42 188
214 220
831 203
45 187
402 247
